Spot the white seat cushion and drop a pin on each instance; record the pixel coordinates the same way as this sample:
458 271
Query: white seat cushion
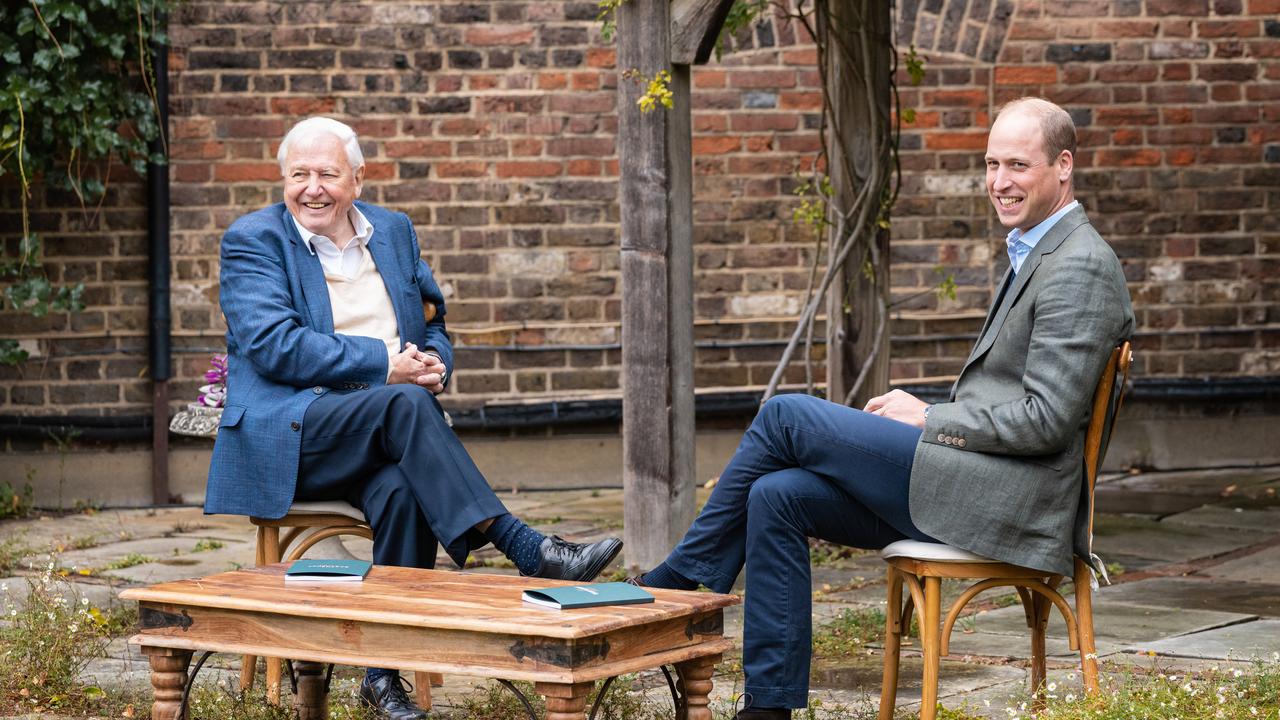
936 552
331 507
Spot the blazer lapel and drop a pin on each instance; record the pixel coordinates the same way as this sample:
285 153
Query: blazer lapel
1000 311
315 291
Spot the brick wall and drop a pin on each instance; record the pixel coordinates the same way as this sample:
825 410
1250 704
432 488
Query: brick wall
492 125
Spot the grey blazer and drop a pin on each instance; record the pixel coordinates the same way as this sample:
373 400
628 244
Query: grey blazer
999 470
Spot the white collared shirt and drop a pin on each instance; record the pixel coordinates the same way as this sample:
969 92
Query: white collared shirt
345 262
1022 243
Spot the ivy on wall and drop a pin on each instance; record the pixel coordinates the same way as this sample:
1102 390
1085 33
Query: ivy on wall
76 89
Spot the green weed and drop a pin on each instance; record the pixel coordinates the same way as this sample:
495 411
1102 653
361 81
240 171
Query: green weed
14 502
12 551
128 561
207 545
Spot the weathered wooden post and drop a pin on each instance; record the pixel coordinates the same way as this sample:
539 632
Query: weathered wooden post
656 166
859 124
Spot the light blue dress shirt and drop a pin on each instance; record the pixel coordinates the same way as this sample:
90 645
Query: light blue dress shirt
1022 243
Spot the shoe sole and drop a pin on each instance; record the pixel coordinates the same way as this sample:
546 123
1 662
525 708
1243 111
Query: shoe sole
596 568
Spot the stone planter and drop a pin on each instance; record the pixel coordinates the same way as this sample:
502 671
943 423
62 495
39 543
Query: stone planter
197 421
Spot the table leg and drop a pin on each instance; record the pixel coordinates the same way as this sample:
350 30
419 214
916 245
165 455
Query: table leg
695 687
565 702
312 700
168 678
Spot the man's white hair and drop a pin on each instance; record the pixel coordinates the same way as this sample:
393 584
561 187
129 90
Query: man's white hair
314 127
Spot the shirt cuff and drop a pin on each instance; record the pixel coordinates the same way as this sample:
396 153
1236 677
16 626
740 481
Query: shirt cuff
390 354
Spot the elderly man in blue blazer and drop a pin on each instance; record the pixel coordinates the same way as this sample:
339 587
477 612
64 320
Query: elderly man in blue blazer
996 470
333 375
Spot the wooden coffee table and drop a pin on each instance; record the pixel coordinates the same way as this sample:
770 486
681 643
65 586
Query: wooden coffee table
430 621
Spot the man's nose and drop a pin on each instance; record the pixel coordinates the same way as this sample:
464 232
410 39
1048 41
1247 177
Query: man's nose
1000 179
313 184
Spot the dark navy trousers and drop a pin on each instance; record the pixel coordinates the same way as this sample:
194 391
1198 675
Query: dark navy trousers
389 452
805 468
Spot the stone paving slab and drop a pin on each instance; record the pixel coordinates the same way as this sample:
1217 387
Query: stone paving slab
1113 621
1245 641
1230 518
100 595
1146 538
1018 647
1197 594
172 558
1258 567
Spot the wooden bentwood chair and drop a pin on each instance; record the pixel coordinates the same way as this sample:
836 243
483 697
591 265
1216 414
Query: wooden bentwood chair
306 524
922 567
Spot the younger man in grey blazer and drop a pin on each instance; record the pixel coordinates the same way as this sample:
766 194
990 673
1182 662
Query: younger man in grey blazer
996 470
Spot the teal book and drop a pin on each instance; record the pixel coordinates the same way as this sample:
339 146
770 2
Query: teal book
327 571
585 596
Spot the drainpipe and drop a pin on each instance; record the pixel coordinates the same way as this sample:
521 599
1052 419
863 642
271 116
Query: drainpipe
158 241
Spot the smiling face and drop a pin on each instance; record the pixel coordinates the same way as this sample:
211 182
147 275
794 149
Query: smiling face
1024 184
320 186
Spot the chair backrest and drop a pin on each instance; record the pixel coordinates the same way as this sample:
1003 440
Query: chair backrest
1107 399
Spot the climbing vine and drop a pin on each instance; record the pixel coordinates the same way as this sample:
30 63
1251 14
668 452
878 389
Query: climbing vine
77 89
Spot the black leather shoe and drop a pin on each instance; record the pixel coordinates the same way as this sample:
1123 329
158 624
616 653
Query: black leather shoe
388 696
563 560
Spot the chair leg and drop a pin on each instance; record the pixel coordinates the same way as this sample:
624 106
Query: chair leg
249 663
931 640
271 554
1040 614
1084 625
893 632
422 689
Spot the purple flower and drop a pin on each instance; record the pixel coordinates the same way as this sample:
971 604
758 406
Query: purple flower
214 393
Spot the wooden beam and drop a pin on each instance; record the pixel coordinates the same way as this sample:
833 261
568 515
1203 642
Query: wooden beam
655 159
695 25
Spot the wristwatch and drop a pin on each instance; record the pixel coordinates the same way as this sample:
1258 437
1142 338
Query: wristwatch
927 408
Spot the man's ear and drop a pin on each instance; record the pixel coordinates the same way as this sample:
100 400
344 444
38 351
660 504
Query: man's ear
359 174
1066 163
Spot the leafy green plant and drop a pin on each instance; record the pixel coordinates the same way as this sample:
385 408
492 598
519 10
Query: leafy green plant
128 561
78 89
15 503
12 551
207 545
848 632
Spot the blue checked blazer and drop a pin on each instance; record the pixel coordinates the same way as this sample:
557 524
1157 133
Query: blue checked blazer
283 352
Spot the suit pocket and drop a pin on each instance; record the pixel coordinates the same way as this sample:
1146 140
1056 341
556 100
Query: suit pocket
231 416
1053 462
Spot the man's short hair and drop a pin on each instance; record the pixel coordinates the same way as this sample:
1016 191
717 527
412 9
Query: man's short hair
314 127
1056 126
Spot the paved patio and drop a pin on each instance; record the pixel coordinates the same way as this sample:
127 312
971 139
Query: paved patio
1195 555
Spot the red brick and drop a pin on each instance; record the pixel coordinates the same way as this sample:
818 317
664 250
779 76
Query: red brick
762 79
1027 75
709 78
1180 156
1126 158
800 101
956 140
956 98
552 81
707 122
483 82
758 165
1127 29
1126 116
1031 30
760 144
529 169
601 57
583 167
526 147
302 107
1228 28
461 169
758 122
1178 7
417 148
716 145
499 36
196 150
599 102
1264 7
1126 136
379 171
805 58
247 172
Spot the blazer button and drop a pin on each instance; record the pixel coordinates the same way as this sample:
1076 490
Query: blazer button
295 425
960 442
942 438
317 390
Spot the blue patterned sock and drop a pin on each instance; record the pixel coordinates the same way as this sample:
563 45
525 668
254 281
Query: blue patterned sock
519 542
371 674
663 576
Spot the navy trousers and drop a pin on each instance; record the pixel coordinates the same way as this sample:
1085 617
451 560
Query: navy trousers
389 452
805 468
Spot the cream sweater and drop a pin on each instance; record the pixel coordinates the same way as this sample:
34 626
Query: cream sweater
361 305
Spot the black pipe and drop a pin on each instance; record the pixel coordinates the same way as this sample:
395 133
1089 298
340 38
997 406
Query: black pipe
158 275
158 220
579 412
